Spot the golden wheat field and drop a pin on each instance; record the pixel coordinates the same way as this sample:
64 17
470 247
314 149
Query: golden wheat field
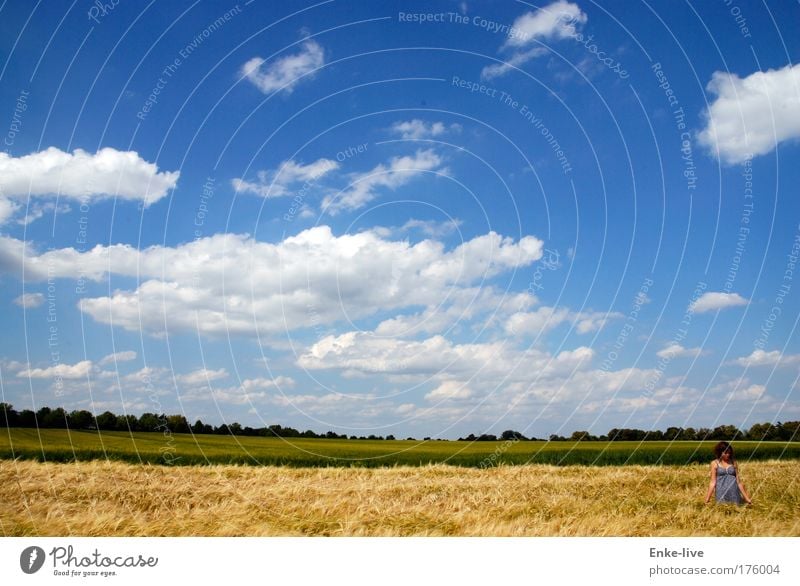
119 499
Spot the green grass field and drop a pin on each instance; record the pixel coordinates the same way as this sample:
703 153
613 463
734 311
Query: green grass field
183 449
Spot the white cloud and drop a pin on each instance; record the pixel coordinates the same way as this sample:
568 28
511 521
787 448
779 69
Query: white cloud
284 73
556 21
544 319
249 391
279 182
514 61
534 323
713 301
363 407
449 389
234 284
66 371
155 375
432 228
747 393
124 356
737 390
38 210
594 321
83 176
772 358
7 209
399 171
260 384
201 377
436 355
417 129
460 305
677 399
675 350
751 116
29 300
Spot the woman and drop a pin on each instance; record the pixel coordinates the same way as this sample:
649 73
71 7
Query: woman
725 477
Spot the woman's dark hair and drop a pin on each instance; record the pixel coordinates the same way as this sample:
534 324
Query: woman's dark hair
721 448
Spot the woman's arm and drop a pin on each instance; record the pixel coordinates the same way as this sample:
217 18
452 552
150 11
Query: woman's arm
713 484
746 496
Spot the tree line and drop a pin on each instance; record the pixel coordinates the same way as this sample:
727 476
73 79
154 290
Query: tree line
77 420
787 431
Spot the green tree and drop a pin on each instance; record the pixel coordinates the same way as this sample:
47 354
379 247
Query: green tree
790 431
55 419
177 424
8 417
726 432
580 436
510 434
27 418
200 427
41 416
106 421
149 422
80 419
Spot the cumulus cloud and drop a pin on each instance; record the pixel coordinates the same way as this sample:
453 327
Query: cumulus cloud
418 129
201 377
747 393
234 284
678 399
7 209
362 407
399 171
498 376
487 305
536 322
260 384
124 356
365 352
556 21
66 371
594 321
544 319
29 300
432 228
675 350
84 176
713 301
449 389
514 61
252 390
289 174
772 358
284 73
751 116
37 210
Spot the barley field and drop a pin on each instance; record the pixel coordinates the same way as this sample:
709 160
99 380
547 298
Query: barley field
104 498
182 449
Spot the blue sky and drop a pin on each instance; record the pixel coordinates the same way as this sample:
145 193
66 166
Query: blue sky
402 217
